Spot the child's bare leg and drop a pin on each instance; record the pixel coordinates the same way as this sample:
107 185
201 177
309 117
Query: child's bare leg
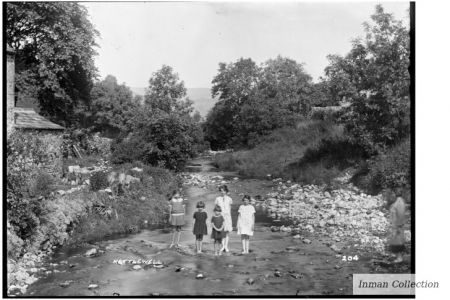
179 236
174 232
243 243
200 243
223 243
227 238
247 244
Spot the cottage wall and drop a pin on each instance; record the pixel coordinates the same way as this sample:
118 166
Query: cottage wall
10 98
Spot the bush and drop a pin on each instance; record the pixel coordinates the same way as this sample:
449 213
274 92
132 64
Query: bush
126 151
99 181
161 180
14 244
327 113
388 170
43 184
226 161
23 214
340 152
317 173
58 216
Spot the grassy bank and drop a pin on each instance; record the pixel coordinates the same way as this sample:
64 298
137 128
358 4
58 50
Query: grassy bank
280 149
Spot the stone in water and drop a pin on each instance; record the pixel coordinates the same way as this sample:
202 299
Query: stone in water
91 252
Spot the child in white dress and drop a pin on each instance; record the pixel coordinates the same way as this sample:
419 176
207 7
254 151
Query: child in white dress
246 223
225 202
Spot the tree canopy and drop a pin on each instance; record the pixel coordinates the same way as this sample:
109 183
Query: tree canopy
374 77
166 92
113 107
54 44
286 82
254 100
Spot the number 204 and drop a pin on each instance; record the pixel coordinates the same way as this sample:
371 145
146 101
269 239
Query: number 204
349 258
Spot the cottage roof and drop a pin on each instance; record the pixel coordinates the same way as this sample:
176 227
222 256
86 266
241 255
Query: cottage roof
27 118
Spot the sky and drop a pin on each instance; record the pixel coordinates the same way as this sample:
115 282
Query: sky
137 38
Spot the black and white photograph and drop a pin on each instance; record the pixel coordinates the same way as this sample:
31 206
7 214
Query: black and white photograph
218 149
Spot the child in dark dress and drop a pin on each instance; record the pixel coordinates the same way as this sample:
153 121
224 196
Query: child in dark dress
217 233
200 225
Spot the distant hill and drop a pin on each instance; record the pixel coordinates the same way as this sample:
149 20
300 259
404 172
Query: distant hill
203 101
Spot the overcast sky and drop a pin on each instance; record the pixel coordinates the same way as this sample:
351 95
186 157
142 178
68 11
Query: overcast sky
193 37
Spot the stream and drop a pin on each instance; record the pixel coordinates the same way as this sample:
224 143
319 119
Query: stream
277 265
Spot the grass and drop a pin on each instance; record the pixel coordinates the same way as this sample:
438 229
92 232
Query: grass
277 151
323 162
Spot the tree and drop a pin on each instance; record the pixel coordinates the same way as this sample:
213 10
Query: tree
167 93
162 132
166 141
322 94
256 100
234 85
218 129
113 106
286 82
236 82
260 116
197 117
54 44
159 139
374 77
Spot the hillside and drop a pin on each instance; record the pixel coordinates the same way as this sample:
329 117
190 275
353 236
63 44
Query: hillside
203 101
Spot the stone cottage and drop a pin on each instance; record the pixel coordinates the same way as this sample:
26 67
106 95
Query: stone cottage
28 120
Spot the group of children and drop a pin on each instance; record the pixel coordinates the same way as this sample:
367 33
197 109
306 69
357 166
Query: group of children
221 222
